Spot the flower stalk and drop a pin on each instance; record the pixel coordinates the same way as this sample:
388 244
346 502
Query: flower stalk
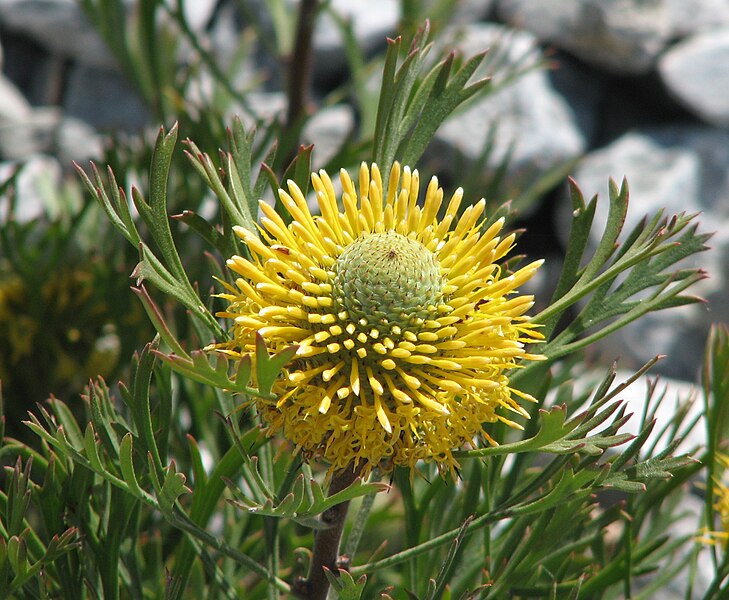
325 554
299 72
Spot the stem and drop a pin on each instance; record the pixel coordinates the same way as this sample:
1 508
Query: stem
326 541
300 68
355 534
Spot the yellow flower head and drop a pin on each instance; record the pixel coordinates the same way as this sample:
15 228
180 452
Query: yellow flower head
405 322
721 504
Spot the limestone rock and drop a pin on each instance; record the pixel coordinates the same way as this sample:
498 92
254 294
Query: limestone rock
370 27
622 36
327 130
59 26
38 175
538 134
696 72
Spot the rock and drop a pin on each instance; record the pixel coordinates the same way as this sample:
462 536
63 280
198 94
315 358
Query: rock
696 16
622 36
538 134
76 141
327 130
370 27
38 175
59 26
265 105
104 99
226 40
29 66
584 91
679 169
198 13
13 105
472 11
696 73
44 130
34 134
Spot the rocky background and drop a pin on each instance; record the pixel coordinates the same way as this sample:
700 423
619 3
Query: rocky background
635 88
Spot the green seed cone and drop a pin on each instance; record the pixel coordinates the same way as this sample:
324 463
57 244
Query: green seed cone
388 278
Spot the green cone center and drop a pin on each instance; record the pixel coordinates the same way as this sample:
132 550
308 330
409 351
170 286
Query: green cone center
388 277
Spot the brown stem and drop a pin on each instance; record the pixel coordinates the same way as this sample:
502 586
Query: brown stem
326 541
300 66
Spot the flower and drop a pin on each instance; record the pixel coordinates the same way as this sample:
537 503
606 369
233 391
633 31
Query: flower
721 504
405 323
721 491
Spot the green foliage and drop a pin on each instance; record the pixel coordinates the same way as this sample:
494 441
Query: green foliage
412 106
64 313
623 280
165 485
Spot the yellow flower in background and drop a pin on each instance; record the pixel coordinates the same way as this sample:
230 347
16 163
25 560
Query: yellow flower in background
405 322
721 504
721 492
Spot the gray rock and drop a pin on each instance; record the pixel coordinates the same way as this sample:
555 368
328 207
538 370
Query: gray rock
532 121
696 16
265 106
198 13
225 40
472 11
696 72
59 26
371 26
34 134
39 175
13 105
104 99
681 169
584 90
327 130
25 130
76 141
622 36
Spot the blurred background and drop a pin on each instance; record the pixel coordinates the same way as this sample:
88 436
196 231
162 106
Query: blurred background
586 88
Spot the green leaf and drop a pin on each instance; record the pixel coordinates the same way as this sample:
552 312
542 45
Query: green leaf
103 416
17 554
92 450
570 485
622 281
139 402
170 489
344 584
126 463
436 587
204 229
298 505
448 93
268 368
299 171
233 199
18 497
553 427
114 201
